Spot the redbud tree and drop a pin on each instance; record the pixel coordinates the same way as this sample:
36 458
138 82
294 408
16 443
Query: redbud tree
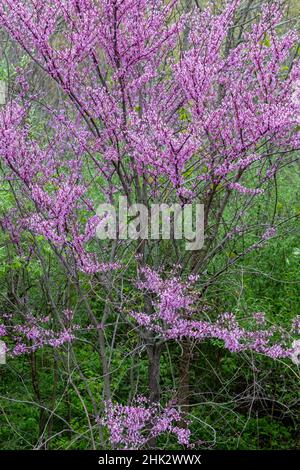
160 102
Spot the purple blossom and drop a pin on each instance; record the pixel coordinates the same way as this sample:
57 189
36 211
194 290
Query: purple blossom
175 316
132 426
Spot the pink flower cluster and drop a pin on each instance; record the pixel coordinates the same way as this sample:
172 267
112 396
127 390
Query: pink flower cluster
35 333
175 316
133 426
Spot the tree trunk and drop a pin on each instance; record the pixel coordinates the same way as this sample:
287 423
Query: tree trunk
184 375
154 354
